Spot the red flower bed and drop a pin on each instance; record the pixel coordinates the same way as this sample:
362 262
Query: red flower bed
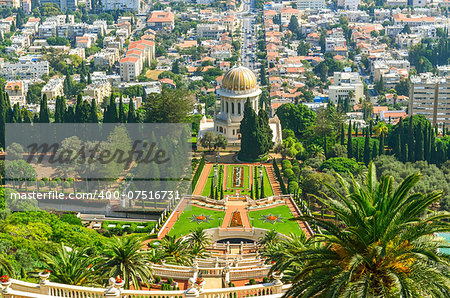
4 278
236 220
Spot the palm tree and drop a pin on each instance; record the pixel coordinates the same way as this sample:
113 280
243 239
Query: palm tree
283 254
6 267
123 257
383 245
269 237
380 128
176 251
72 266
199 238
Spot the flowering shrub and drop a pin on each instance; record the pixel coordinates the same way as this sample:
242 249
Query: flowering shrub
119 280
46 271
4 278
198 281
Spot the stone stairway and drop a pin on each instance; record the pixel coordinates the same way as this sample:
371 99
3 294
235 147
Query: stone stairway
273 180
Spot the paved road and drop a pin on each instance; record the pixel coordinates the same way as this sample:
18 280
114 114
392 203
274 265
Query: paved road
248 35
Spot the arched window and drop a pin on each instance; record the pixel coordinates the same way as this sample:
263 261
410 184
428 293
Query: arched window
232 108
221 129
233 132
239 108
227 107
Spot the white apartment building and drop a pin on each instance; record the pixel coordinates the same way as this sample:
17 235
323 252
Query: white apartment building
54 88
346 83
310 4
331 43
210 31
349 4
133 5
24 70
129 69
98 90
107 57
430 96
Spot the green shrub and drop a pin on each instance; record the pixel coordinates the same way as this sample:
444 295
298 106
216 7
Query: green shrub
286 164
170 280
341 165
265 280
252 281
157 279
41 183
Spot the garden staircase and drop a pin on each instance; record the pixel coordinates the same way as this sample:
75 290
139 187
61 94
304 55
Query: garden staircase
273 181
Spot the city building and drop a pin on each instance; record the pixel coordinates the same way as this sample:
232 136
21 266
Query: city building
133 5
129 68
161 20
26 6
346 85
107 57
24 70
349 4
310 4
54 88
16 91
430 96
210 31
9 3
98 90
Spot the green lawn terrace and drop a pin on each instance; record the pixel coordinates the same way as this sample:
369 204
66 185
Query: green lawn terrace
225 179
265 214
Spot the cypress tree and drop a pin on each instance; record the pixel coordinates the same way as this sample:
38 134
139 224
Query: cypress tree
263 195
356 132
419 143
89 80
426 141
44 114
216 196
398 144
2 119
251 192
26 116
349 141
342 135
58 113
411 140
79 109
111 114
444 130
256 189
212 189
122 118
9 111
367 148
70 115
131 118
357 150
403 142
381 143
17 114
325 151
93 113
374 150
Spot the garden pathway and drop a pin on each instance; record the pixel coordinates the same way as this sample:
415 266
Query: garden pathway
273 180
296 214
232 206
202 180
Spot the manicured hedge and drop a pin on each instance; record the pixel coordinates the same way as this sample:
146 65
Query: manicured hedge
279 178
197 173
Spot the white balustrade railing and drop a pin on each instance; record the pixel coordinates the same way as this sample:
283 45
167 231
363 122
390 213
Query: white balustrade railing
19 289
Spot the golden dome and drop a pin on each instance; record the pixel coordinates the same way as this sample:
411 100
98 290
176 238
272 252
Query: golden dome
240 80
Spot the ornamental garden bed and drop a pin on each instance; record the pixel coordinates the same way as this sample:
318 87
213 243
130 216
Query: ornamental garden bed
276 218
193 217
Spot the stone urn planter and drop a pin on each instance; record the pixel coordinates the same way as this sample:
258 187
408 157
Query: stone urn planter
44 275
119 283
5 281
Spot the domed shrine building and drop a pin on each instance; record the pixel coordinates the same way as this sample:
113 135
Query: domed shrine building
238 85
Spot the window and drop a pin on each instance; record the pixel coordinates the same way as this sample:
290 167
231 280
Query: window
239 109
232 108
227 107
